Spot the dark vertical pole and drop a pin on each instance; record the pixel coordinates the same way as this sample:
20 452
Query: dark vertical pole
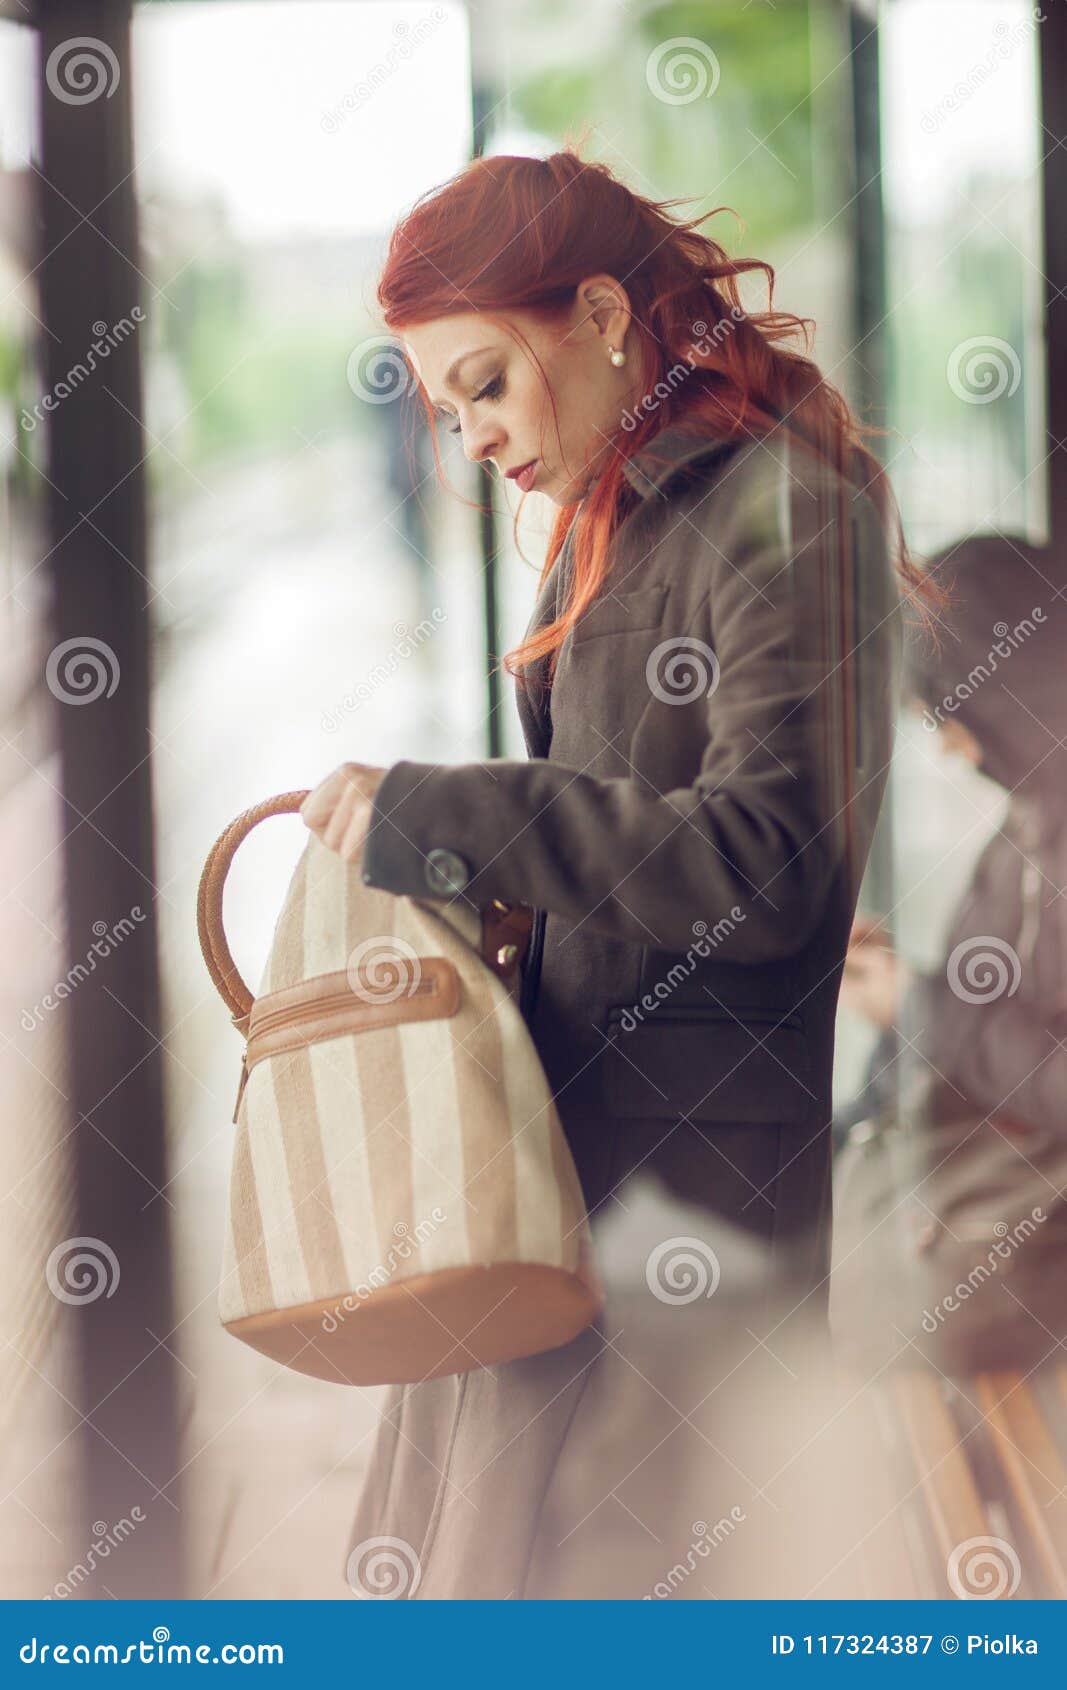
1053 142
482 106
114 1274
870 305
870 289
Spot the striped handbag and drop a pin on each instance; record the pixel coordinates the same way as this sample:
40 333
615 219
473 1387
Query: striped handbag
403 1202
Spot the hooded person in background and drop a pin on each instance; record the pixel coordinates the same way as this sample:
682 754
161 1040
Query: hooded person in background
953 1159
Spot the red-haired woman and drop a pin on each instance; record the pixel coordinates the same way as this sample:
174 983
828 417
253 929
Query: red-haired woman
707 691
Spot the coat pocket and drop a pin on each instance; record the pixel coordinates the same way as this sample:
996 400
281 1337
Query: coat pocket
710 1065
621 613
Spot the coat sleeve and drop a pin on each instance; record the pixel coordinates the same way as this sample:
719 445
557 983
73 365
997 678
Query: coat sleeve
798 586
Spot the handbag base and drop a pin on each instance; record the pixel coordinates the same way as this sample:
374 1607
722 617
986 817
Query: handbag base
450 1321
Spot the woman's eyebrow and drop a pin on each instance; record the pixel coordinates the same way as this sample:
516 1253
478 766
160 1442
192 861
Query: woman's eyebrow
453 368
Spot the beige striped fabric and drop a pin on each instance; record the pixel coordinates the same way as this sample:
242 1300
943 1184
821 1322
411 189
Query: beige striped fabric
403 1201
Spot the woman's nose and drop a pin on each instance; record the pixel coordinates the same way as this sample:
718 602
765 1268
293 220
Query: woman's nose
482 444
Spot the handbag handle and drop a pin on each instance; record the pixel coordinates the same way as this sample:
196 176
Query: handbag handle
217 954
505 930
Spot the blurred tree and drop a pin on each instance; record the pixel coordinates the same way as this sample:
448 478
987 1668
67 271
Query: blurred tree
734 120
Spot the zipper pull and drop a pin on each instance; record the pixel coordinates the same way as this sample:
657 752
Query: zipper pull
241 1087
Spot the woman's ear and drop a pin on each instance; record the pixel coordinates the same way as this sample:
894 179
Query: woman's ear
608 303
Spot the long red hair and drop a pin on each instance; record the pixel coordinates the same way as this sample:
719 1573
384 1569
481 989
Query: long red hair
509 233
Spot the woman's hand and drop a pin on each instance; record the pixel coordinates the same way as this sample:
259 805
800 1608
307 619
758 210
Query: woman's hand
874 978
338 810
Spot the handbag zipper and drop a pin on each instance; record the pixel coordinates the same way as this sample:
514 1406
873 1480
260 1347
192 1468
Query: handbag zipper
304 1011
332 1000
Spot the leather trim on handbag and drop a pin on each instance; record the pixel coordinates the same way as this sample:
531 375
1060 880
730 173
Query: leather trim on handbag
329 1005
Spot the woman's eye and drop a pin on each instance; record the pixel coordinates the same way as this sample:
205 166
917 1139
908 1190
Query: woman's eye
492 390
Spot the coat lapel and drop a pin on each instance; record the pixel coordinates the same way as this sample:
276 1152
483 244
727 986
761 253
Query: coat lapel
673 449
531 691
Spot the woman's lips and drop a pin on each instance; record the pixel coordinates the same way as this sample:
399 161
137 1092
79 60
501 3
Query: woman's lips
525 478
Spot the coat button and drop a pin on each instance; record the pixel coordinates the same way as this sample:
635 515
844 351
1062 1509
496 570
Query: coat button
446 871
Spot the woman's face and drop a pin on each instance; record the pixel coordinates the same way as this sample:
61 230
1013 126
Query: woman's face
485 386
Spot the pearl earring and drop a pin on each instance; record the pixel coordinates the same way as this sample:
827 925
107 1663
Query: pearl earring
617 357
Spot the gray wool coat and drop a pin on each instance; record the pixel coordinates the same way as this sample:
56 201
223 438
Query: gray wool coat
697 807
692 824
